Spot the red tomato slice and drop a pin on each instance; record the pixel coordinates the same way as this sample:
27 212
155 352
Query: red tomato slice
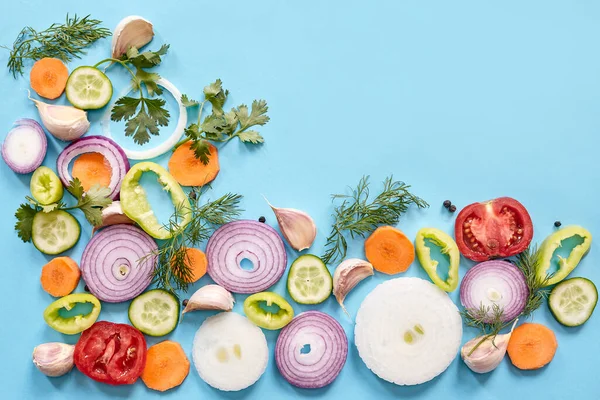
497 228
111 353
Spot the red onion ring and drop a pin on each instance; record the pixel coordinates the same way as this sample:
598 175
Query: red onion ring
110 263
24 147
495 282
115 156
326 358
256 241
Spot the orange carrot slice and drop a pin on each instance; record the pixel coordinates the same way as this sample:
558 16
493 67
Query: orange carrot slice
167 366
532 346
48 77
188 170
60 276
196 260
92 169
389 250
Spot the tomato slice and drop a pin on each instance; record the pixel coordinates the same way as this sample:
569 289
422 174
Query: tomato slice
111 353
497 228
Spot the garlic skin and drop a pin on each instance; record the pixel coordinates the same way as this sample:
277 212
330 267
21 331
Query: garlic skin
210 297
53 359
347 275
488 355
131 31
113 215
297 227
63 122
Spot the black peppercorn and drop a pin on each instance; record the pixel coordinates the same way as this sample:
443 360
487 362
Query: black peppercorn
557 224
87 289
193 195
262 219
447 203
452 208
185 302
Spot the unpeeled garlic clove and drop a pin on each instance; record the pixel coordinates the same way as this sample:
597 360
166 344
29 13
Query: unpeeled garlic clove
347 275
483 354
132 31
63 122
297 227
113 215
53 359
210 297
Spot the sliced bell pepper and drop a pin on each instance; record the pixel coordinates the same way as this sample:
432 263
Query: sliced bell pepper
565 265
266 319
447 246
77 323
136 206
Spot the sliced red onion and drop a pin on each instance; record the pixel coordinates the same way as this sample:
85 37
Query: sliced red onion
495 282
257 242
114 155
315 366
112 265
25 146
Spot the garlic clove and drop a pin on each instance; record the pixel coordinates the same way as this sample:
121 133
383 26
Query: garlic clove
113 215
63 122
131 31
210 297
53 359
483 354
297 227
347 275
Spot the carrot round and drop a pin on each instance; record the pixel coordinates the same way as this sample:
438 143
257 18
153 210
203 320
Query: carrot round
60 276
48 77
166 366
389 250
188 170
531 346
197 261
92 169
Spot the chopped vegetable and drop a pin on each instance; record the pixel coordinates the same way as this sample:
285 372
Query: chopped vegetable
24 147
155 312
45 186
53 359
209 297
230 353
347 275
250 240
407 331
48 77
565 265
197 263
389 250
484 353
167 366
92 169
297 227
312 350
189 171
63 122
54 232
131 31
309 280
60 276
573 301
447 246
75 324
113 215
531 346
264 318
88 88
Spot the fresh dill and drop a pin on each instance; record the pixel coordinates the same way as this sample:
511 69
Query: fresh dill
358 216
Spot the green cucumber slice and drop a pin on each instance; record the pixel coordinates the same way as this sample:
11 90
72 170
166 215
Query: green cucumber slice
309 280
88 88
46 186
155 312
572 301
55 231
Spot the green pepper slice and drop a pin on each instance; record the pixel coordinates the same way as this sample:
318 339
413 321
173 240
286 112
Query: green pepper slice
565 265
77 323
136 206
447 246
266 319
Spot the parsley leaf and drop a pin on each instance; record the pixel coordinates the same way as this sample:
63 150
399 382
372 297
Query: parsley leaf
201 150
216 96
251 137
258 115
187 102
24 224
147 59
92 202
150 116
124 108
75 188
149 79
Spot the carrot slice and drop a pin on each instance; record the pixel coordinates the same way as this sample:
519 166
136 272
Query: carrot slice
531 346
167 366
48 77
188 170
197 261
389 250
60 276
92 169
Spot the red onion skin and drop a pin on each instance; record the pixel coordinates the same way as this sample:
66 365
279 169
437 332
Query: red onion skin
36 127
501 268
323 330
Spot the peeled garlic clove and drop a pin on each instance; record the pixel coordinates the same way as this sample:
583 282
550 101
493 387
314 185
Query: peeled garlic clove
63 122
297 227
132 31
210 297
113 215
488 353
53 359
347 275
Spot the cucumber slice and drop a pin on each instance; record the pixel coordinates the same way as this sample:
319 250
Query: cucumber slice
572 301
88 88
55 231
309 280
45 186
155 312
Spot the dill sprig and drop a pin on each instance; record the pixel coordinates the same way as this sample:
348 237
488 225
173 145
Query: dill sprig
63 41
358 216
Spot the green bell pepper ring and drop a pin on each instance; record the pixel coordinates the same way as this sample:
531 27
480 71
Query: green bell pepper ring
447 246
266 319
77 323
565 265
136 206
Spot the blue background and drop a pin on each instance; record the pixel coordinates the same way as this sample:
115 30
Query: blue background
466 100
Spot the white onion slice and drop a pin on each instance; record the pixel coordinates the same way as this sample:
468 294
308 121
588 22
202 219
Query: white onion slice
167 144
408 331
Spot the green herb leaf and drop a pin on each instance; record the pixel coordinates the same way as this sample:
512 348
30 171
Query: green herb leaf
201 150
251 137
24 224
216 96
91 202
213 124
187 102
149 79
150 116
124 108
258 115
75 188
149 59
50 207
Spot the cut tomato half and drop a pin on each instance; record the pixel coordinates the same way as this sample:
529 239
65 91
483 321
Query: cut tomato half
497 228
